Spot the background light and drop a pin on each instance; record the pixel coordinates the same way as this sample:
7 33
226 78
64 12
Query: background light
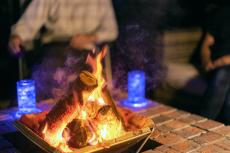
26 95
136 90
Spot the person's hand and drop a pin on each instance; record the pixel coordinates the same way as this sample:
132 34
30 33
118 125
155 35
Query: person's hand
209 66
206 60
222 61
83 41
15 44
207 63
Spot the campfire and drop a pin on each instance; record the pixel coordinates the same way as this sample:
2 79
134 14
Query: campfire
87 115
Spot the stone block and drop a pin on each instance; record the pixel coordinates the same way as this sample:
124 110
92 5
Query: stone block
189 132
169 139
186 146
209 125
207 138
192 119
161 119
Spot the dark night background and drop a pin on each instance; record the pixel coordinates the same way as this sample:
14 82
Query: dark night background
153 16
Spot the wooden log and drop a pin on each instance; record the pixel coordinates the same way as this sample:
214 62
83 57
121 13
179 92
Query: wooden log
85 82
68 108
107 97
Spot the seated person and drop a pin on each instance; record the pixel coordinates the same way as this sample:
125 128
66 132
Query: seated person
215 55
63 26
80 24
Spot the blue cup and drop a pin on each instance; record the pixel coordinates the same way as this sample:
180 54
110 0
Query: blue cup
26 96
136 90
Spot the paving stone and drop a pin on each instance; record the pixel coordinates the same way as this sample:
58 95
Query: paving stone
189 132
168 139
141 109
177 114
195 151
158 110
224 144
165 149
192 119
149 113
152 105
186 146
207 138
155 134
212 149
151 151
164 129
161 119
176 125
209 125
225 131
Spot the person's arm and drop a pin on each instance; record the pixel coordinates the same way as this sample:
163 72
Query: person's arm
85 41
222 61
108 30
206 53
29 24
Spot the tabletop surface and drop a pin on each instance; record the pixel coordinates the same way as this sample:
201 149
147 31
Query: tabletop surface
176 131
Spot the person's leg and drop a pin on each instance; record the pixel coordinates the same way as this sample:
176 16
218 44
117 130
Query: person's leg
225 112
216 92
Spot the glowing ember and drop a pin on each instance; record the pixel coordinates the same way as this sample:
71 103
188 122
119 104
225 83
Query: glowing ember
109 131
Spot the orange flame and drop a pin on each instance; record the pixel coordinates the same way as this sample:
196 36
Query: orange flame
105 128
57 141
111 127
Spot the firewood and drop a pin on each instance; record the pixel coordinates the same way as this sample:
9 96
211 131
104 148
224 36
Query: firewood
85 82
106 95
79 133
104 109
67 108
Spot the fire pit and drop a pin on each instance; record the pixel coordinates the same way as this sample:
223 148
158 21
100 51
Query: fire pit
86 119
120 143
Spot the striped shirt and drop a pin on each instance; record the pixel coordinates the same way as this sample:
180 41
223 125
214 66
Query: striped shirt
66 18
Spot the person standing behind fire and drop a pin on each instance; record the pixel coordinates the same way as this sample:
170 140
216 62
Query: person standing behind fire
215 54
82 24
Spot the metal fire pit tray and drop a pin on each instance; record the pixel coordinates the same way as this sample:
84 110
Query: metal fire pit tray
119 144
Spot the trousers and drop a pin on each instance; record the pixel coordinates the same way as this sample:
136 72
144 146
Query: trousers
216 100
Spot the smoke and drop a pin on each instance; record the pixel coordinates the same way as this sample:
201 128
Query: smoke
137 49
57 71
140 44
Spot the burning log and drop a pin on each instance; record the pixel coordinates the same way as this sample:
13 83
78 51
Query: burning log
85 82
110 101
33 120
79 133
103 110
134 121
66 109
